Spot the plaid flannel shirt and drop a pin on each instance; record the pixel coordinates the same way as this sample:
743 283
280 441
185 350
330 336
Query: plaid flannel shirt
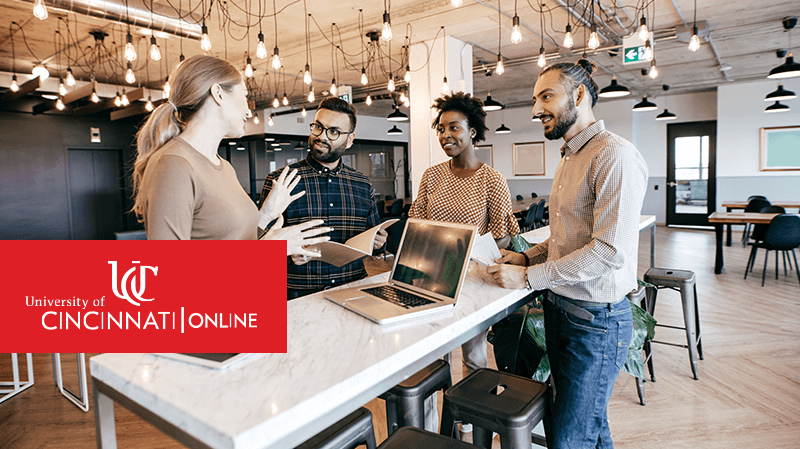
345 199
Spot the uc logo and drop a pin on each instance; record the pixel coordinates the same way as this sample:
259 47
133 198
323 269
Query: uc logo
136 290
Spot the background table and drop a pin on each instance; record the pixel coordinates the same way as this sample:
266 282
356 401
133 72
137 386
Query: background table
645 222
336 362
731 205
720 219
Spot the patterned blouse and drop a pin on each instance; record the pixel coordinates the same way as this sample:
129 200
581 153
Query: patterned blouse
482 200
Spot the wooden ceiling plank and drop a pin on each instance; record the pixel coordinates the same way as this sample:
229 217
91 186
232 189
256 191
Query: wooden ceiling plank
77 94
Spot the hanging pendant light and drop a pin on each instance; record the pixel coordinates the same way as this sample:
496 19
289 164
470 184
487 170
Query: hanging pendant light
303 112
614 90
311 94
285 100
41 71
205 42
594 39
788 69
124 100
445 86
394 131
644 33
333 87
491 104
276 59
536 118
155 52
130 50
261 47
167 89
645 105
666 115
271 122
248 68
368 101
14 86
386 33
307 75
94 98
390 84
694 42
503 129
780 94
407 76
70 77
516 33
62 90
653 72
501 68
130 78
455 3
777 107
60 104
364 79
255 119
542 60
275 102
149 105
568 40
648 51
397 116
39 10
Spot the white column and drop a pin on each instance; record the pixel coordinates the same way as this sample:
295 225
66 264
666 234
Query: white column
426 85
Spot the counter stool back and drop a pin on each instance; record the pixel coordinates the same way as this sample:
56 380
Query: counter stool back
413 438
493 401
352 431
405 402
682 281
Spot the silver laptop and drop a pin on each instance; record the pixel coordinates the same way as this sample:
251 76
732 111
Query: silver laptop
429 270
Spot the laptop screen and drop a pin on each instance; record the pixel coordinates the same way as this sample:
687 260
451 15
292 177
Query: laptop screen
433 256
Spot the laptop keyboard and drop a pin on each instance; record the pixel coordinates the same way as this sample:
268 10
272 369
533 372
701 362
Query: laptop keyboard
400 297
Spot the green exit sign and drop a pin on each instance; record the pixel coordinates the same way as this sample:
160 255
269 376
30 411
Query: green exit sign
633 49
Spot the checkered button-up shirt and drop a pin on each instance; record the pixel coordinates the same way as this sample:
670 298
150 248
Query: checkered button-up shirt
344 198
595 203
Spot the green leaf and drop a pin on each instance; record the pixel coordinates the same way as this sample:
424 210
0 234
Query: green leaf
519 244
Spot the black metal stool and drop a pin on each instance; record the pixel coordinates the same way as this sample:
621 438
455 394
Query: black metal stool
352 431
496 402
413 438
682 281
405 402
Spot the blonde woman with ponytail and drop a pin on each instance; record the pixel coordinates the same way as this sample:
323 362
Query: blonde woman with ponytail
183 189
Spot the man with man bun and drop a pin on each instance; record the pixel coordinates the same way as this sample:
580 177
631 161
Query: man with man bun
588 265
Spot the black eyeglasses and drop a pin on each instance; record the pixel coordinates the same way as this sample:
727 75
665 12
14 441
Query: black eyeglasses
332 133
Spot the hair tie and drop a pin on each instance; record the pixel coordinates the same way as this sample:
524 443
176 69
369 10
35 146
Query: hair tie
173 105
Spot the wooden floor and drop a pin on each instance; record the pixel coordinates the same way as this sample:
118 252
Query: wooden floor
748 394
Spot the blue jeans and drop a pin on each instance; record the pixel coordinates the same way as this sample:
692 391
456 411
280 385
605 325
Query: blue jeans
585 359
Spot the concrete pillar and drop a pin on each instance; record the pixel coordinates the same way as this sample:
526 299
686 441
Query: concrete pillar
454 62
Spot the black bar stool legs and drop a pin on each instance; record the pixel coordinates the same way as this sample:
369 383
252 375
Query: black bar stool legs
405 403
352 431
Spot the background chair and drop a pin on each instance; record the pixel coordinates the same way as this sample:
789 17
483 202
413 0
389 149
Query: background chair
754 205
759 231
534 195
783 234
527 224
381 208
397 209
520 197
756 197
538 219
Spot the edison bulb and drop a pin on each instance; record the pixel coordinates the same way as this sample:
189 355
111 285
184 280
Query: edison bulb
155 52
311 94
248 69
149 105
60 104
130 50
303 112
653 72
167 88
594 40
40 71
455 3
568 40
276 60
307 75
516 33
285 100
694 42
255 119
205 42
124 100
333 87
130 78
275 101
644 33
501 68
94 97
390 85
407 76
386 33
648 51
39 10
369 100
14 86
364 79
62 90
270 122
70 77
542 60
445 87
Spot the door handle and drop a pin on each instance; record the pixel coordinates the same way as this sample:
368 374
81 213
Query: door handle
672 184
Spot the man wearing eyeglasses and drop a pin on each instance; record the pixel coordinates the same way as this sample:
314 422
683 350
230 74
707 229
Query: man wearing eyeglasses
336 193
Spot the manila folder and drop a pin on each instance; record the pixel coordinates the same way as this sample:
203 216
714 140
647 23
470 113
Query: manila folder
356 248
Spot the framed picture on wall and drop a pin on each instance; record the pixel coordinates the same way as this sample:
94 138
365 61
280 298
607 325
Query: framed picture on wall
485 153
529 159
780 148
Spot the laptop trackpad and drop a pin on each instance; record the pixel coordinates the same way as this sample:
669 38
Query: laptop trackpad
375 307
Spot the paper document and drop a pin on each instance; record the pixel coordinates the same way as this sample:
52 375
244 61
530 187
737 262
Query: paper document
485 250
357 247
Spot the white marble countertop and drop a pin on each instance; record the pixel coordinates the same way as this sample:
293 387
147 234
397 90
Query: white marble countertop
336 362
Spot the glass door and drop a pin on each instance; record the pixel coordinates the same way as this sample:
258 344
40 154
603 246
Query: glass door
691 172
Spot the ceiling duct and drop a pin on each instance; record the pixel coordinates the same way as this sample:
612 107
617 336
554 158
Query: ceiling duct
135 13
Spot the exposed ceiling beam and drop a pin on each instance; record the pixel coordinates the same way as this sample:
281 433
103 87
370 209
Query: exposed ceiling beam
10 97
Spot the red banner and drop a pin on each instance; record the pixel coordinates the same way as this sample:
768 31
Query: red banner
143 296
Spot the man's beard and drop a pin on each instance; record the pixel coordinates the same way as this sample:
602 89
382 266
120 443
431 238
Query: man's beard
564 121
332 155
